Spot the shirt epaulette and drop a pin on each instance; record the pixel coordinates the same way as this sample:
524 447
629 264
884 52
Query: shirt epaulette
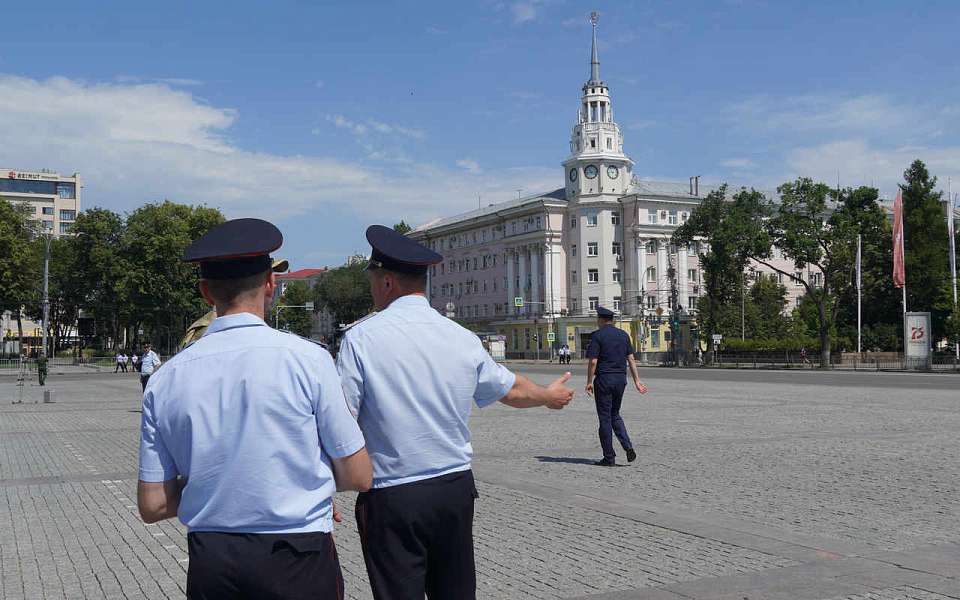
306 339
350 326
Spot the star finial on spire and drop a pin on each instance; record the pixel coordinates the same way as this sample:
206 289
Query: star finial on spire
594 60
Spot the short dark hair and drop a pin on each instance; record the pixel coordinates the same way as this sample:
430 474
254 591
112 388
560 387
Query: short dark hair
227 291
409 281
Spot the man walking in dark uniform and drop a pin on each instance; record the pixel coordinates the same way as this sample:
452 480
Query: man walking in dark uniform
609 353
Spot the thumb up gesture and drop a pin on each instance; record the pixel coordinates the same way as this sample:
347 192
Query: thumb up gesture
558 394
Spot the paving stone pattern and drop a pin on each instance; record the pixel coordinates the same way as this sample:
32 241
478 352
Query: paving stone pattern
748 483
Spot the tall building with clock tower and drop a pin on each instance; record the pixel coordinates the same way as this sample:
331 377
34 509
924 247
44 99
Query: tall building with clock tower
597 174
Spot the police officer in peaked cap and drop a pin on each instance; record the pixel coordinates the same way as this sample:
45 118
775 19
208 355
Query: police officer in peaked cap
609 353
196 329
245 436
411 376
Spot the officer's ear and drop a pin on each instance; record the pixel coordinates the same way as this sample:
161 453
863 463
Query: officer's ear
205 292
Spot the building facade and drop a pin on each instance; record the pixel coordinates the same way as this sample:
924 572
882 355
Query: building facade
534 270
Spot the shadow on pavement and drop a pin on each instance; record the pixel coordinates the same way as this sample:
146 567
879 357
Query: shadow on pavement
566 459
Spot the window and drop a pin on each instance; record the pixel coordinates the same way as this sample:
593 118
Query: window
654 337
574 303
573 276
592 220
593 249
615 218
609 143
615 248
26 186
616 275
539 222
616 303
65 227
47 210
594 301
672 218
48 225
692 302
797 302
779 277
573 250
593 276
693 248
817 279
651 301
652 247
593 141
798 279
651 274
652 216
67 191
573 222
692 275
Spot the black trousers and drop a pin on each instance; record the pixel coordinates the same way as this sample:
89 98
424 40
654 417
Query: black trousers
251 566
143 382
417 538
608 394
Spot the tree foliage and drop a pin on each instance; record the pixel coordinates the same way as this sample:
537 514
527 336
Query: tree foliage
297 320
402 227
345 292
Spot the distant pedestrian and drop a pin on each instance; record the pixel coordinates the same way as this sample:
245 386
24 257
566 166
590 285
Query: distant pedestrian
42 368
148 364
135 362
609 353
121 362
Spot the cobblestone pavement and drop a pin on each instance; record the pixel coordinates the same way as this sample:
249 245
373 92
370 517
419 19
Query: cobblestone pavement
746 486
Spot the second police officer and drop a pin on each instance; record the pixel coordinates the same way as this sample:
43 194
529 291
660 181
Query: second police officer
411 376
609 353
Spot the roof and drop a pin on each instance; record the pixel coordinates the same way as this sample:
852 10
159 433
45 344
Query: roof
555 195
301 274
681 189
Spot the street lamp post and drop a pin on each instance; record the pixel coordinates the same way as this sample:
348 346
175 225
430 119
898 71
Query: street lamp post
46 290
308 306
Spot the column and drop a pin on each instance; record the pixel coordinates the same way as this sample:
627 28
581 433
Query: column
511 290
535 278
522 254
641 272
663 282
682 276
549 285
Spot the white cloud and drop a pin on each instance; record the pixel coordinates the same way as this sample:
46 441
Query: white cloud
362 128
523 12
738 163
469 165
859 163
134 143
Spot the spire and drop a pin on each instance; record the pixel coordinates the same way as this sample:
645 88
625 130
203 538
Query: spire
594 60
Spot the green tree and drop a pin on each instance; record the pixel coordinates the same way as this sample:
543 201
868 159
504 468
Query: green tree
345 291
297 320
158 291
926 247
16 278
402 227
765 316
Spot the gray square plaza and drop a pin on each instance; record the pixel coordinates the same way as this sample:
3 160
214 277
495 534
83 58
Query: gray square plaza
748 484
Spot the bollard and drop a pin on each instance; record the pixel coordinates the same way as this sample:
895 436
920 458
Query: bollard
48 397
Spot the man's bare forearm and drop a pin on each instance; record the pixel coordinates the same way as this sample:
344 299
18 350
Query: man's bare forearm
591 369
525 394
632 363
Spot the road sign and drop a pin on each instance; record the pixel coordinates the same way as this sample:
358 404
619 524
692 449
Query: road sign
518 301
308 305
716 337
551 336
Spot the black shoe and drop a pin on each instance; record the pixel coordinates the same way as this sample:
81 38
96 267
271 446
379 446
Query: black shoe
631 455
605 463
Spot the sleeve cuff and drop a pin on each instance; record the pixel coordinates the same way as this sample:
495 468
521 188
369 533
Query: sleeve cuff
347 449
157 475
508 382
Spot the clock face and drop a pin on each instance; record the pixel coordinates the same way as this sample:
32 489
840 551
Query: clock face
573 174
590 171
613 172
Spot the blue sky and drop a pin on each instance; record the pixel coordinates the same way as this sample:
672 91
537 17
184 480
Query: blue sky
326 117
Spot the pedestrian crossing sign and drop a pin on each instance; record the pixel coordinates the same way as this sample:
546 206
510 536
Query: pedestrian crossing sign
518 301
551 336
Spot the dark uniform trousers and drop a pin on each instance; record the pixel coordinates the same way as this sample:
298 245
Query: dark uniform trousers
254 566
608 394
417 538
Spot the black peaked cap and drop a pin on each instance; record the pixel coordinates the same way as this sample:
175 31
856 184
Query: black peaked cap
393 251
234 249
604 313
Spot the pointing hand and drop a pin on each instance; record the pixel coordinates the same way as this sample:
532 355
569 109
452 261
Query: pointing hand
558 394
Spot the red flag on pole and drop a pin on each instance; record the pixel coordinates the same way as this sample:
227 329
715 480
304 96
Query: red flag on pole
899 272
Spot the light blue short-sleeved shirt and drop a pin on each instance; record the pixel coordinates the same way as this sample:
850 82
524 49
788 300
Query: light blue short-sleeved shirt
251 417
411 376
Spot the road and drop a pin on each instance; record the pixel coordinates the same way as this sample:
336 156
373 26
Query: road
749 484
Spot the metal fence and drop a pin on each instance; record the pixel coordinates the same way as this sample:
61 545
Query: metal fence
760 360
96 363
